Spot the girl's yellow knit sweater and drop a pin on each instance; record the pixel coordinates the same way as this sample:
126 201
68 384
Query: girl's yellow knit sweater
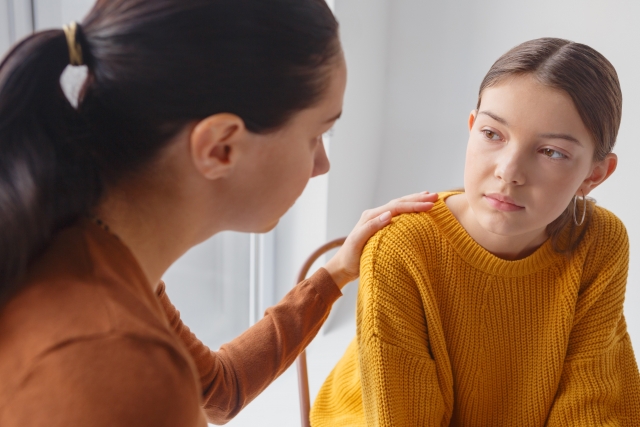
450 335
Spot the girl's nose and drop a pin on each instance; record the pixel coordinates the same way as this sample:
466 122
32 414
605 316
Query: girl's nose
510 167
321 164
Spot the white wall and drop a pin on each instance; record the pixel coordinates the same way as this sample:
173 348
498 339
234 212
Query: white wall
16 21
5 33
55 13
358 135
438 55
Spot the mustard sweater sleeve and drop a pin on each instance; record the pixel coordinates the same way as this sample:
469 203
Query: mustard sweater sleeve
398 374
600 383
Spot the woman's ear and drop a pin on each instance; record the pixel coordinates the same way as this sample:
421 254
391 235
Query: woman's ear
472 118
214 144
599 174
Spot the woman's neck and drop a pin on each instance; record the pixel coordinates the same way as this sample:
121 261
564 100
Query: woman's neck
505 247
156 232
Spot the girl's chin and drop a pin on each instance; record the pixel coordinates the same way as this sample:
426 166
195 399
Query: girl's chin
500 227
509 229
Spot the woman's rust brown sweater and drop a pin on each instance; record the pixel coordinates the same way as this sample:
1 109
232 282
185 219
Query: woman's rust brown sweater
88 343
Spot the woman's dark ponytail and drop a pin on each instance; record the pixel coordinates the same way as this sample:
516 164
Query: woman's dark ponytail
45 182
154 67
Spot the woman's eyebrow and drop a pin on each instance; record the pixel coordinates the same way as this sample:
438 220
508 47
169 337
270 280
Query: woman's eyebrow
494 116
334 118
561 136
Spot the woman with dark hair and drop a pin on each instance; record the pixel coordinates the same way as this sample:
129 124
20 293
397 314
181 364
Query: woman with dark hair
197 116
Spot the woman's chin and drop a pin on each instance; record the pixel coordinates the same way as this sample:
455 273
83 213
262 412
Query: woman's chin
267 228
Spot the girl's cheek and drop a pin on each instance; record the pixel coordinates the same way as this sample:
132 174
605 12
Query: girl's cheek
478 161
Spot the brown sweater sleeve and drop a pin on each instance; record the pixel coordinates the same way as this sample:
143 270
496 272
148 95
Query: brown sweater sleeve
233 376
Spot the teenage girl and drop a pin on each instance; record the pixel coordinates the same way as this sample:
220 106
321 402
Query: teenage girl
197 116
502 306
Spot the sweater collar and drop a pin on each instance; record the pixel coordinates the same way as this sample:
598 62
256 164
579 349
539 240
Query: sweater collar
479 257
112 260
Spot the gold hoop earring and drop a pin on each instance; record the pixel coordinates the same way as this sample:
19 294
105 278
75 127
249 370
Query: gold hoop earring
584 209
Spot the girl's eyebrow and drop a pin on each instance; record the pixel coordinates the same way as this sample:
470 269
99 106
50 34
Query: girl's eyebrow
564 136
561 136
494 116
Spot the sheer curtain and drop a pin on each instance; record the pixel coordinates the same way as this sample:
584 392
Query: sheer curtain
210 287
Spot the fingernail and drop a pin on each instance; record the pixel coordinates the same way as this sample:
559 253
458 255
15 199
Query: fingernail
385 216
425 192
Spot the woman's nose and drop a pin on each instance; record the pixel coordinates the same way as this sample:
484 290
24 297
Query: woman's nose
321 164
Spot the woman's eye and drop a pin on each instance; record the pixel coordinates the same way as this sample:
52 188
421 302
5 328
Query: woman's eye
552 154
489 134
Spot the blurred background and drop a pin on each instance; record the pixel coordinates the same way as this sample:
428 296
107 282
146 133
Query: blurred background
414 70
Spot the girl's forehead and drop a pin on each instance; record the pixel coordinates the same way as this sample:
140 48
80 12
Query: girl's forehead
525 91
525 103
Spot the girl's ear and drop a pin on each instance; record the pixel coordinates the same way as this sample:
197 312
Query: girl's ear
472 118
599 174
214 144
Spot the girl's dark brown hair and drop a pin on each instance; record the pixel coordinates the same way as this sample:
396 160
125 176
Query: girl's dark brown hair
592 82
154 66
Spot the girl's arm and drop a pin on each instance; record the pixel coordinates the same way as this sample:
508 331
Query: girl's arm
402 385
600 383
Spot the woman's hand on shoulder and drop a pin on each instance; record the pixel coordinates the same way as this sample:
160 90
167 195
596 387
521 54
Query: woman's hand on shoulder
344 267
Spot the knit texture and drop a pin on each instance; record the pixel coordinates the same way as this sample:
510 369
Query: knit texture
450 335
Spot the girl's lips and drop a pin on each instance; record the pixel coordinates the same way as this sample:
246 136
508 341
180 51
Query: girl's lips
502 203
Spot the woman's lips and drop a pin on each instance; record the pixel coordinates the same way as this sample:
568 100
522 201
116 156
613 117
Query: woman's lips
502 203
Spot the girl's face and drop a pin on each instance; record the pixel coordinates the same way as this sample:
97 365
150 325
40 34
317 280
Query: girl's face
528 154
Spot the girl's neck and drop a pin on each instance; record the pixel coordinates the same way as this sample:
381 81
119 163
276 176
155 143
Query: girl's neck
505 247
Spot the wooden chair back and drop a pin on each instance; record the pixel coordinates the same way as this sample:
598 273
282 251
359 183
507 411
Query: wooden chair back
301 361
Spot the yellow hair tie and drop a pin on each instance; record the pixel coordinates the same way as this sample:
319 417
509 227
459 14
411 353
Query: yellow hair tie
75 50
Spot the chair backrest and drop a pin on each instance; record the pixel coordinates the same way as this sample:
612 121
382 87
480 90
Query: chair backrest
301 361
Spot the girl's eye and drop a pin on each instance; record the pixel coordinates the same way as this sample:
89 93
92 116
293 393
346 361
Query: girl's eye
489 134
552 154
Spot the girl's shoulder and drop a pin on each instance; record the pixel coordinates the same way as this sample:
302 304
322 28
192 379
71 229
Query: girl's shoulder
606 230
601 262
412 234
604 248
